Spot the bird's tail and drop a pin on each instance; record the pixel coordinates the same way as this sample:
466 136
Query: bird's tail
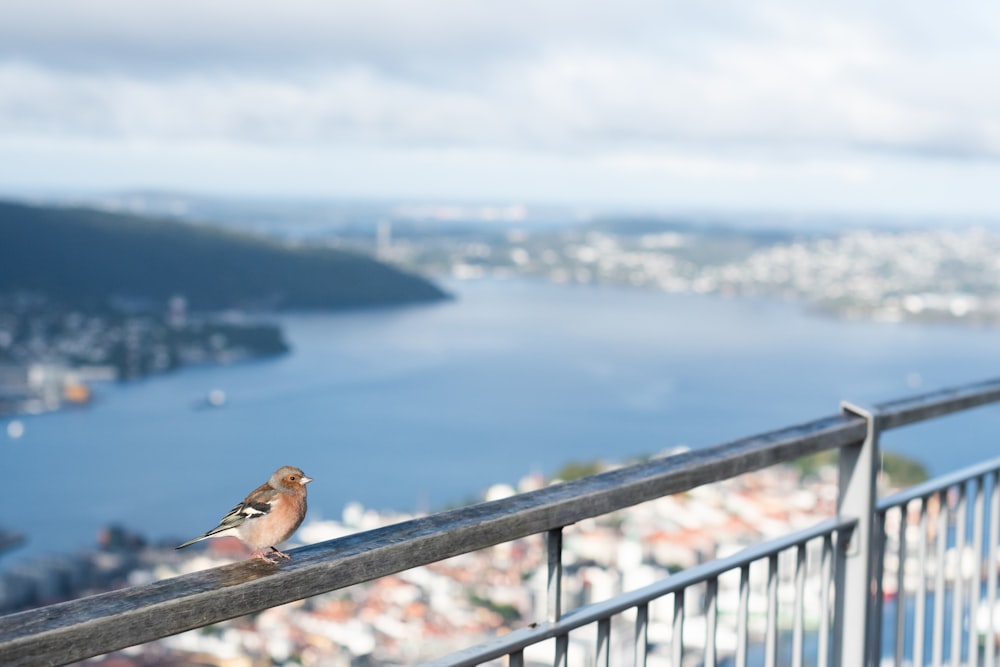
190 542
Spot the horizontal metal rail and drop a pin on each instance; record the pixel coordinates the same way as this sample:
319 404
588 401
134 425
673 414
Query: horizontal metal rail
911 410
942 483
74 630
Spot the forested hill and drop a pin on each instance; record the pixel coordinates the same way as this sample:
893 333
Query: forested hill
85 257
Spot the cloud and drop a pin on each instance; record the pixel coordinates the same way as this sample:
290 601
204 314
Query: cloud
719 90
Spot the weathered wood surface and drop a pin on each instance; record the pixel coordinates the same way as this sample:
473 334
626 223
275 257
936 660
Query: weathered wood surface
937 404
78 629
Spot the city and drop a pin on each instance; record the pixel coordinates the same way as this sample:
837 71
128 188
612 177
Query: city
920 274
51 354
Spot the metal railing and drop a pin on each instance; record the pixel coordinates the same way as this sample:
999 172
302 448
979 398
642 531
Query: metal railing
829 534
851 568
934 564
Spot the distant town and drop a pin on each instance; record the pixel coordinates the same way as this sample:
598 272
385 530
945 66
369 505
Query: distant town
51 355
51 352
886 269
949 275
861 267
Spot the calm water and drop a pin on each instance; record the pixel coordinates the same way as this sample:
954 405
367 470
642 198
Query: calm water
420 407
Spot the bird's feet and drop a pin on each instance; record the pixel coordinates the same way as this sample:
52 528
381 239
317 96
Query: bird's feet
267 557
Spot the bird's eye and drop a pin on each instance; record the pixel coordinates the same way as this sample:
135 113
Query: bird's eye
291 478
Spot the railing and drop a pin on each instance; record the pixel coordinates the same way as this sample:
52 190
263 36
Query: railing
850 552
941 508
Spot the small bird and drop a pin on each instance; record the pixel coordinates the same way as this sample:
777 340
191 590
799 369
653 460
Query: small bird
267 516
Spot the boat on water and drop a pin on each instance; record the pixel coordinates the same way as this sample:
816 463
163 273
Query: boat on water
213 399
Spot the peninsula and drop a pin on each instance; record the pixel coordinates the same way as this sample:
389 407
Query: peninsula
90 294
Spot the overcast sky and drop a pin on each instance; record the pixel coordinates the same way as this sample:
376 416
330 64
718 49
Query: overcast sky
846 106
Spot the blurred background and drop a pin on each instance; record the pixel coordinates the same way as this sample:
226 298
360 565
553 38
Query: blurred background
421 249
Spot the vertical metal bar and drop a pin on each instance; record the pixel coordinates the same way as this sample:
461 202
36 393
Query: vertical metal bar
554 588
641 634
771 638
878 570
900 635
516 659
957 601
989 659
840 550
941 535
920 604
826 580
975 594
858 469
603 643
742 617
562 651
800 594
711 619
677 641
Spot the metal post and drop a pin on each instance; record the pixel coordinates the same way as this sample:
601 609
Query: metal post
798 627
991 570
554 584
879 544
858 470
603 643
940 553
901 553
641 634
771 633
920 603
975 592
958 592
677 636
826 574
711 620
562 651
743 617
554 542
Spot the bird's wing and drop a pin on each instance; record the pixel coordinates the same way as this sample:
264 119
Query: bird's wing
255 505
242 512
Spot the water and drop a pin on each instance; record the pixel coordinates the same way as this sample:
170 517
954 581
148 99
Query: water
422 407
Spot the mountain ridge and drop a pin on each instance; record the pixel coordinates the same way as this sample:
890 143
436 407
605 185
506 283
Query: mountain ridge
88 258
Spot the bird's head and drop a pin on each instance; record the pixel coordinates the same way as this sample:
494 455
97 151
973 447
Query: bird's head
289 477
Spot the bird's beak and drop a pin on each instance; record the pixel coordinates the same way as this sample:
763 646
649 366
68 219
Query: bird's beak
305 480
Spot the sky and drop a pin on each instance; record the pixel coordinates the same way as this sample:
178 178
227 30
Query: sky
889 107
